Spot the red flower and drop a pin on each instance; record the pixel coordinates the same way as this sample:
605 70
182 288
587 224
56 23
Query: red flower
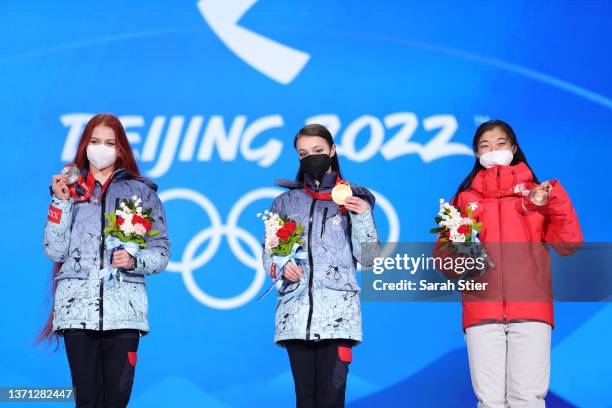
464 229
120 221
290 225
283 233
137 219
147 224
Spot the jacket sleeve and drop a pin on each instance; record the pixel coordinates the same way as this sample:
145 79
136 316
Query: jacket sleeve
56 241
154 258
364 237
277 208
562 229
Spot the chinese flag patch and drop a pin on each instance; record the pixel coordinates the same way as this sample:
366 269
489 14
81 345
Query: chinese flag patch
55 214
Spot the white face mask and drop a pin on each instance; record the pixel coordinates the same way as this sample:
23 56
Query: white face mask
101 155
496 158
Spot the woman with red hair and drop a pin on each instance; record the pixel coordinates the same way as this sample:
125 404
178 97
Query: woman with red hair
100 318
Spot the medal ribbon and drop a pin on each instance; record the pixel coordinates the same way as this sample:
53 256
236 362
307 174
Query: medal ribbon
325 195
83 188
520 190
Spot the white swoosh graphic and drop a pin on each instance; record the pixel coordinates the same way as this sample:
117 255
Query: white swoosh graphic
277 61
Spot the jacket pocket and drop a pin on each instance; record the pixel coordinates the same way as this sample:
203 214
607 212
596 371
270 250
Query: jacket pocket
337 277
288 286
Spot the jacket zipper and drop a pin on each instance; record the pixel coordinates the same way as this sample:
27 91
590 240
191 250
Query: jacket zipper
323 222
102 223
501 247
310 263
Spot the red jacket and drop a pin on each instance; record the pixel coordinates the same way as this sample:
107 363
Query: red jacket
513 230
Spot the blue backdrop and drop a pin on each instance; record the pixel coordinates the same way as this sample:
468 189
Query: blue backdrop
211 94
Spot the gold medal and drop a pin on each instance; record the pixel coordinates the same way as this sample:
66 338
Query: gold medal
340 192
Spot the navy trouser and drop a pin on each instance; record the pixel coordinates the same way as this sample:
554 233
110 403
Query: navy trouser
319 371
102 365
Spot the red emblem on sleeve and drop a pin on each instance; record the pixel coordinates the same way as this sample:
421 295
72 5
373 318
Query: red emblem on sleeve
55 214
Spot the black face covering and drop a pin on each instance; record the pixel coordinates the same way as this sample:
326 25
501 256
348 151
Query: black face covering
315 164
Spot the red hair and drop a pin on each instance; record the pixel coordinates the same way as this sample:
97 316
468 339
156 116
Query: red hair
125 157
47 334
125 160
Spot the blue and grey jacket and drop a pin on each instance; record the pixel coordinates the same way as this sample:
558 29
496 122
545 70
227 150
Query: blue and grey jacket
325 303
74 237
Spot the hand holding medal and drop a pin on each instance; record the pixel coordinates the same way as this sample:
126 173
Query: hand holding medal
62 182
343 196
59 187
539 195
71 184
341 191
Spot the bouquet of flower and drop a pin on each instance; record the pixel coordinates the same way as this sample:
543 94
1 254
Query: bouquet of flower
455 227
129 223
128 226
459 231
283 242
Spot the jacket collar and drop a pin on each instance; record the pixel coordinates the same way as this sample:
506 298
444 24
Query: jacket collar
327 182
122 174
497 178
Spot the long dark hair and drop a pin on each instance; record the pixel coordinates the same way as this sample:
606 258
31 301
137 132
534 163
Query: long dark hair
315 129
125 160
519 156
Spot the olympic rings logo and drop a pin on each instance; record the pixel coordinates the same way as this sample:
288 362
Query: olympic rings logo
191 261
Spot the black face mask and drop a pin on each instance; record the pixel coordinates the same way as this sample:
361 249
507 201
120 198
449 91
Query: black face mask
315 164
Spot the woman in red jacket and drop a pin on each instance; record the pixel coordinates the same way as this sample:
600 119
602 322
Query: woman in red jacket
508 328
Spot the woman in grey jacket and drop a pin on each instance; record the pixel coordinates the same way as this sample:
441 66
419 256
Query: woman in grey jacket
318 313
101 319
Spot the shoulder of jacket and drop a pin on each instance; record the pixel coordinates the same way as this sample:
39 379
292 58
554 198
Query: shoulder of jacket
363 192
144 190
285 195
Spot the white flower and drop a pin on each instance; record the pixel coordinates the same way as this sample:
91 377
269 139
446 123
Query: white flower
271 242
140 229
134 198
127 228
272 223
473 205
456 237
258 215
